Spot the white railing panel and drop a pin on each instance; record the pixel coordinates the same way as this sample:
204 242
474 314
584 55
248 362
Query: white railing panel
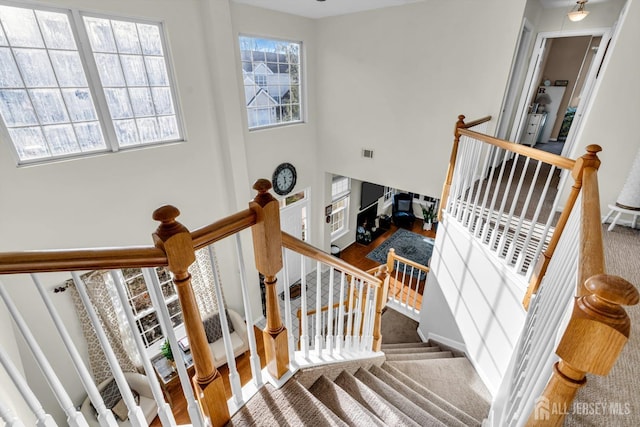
545 321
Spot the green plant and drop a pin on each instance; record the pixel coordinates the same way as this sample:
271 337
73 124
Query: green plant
428 213
165 350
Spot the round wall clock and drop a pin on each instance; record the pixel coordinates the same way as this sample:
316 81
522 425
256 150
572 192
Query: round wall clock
284 179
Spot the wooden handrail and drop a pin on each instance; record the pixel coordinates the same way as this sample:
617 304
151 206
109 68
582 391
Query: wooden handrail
297 245
223 228
587 161
534 153
80 259
599 327
475 122
391 255
116 258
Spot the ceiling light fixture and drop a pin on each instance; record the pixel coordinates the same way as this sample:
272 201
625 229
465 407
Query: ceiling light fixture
578 13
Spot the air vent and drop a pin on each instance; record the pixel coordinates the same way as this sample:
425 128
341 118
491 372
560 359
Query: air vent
367 153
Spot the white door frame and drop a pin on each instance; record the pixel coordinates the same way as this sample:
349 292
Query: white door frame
293 260
533 75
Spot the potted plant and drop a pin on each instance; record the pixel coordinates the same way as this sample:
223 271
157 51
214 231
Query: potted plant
166 351
428 213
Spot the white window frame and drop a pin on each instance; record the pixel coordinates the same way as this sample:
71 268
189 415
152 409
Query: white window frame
389 192
301 91
340 191
103 116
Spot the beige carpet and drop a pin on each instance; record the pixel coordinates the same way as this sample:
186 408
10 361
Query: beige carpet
618 394
398 328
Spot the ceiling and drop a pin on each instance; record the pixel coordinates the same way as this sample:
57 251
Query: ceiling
321 9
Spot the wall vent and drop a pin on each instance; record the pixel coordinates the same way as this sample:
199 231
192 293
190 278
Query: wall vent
367 153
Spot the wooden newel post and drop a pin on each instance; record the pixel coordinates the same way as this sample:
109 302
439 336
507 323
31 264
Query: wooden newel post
381 298
452 165
596 334
175 240
267 247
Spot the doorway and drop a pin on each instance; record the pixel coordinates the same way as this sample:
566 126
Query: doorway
561 77
294 211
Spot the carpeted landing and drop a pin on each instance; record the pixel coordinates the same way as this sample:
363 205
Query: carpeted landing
419 384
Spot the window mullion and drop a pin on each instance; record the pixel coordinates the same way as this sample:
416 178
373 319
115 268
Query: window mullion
93 79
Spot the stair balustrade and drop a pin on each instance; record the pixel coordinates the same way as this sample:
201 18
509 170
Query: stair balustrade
406 284
175 247
491 190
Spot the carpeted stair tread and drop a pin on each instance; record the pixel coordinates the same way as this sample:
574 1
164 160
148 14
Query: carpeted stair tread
454 379
292 404
408 407
411 350
466 419
407 344
422 401
388 413
342 404
419 356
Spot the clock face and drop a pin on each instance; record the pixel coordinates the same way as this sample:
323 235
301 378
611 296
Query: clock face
284 179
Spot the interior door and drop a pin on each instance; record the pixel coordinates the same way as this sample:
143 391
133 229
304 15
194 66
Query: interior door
293 220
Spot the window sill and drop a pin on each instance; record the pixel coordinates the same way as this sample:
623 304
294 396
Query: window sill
338 235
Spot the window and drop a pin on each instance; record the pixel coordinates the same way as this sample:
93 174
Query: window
388 195
340 196
140 301
51 106
271 73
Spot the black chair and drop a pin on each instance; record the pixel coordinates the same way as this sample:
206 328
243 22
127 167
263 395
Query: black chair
402 210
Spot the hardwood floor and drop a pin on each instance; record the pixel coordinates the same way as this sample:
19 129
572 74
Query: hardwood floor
355 254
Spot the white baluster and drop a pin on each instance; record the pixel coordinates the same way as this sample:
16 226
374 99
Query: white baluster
155 292
234 377
512 209
350 311
319 308
358 315
503 203
74 417
42 418
9 417
395 281
366 334
105 416
340 329
164 410
414 306
411 273
254 358
287 310
304 337
330 313
487 234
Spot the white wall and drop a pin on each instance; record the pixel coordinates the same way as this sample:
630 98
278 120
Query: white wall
616 107
107 200
484 297
394 80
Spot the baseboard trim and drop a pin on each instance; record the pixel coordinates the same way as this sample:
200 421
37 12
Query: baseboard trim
456 345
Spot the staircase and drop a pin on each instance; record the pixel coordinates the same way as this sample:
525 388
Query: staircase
414 384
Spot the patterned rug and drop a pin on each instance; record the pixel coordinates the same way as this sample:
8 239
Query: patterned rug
407 244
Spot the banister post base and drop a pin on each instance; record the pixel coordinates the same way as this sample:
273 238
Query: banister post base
213 400
276 349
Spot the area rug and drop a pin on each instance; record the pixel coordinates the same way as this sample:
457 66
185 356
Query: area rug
407 244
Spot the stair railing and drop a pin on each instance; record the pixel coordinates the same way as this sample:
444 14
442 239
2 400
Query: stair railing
510 218
352 329
599 326
175 247
407 280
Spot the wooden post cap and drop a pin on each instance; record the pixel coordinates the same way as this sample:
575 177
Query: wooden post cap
262 186
593 148
168 225
612 289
